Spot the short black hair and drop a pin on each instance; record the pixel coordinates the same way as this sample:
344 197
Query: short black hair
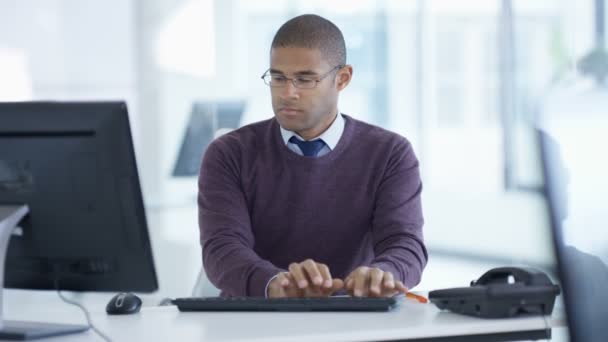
313 32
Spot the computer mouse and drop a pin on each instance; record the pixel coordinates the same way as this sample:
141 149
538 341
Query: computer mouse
123 304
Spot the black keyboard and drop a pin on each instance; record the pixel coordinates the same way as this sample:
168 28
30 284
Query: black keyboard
284 304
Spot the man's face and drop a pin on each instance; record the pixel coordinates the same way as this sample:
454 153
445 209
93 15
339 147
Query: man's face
308 112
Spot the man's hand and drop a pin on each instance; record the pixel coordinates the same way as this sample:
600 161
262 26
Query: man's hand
305 279
373 282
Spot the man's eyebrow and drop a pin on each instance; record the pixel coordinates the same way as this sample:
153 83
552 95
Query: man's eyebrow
306 73
299 73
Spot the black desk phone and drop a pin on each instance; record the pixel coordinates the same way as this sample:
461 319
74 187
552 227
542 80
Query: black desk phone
501 292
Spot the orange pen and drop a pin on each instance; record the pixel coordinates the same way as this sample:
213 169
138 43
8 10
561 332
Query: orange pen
419 298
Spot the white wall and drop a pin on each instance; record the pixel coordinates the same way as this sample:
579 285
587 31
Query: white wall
73 49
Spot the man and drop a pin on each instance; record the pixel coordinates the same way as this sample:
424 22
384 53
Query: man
311 201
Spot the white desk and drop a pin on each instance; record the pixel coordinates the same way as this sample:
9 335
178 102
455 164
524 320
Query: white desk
410 320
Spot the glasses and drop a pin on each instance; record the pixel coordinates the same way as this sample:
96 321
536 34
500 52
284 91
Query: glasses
301 82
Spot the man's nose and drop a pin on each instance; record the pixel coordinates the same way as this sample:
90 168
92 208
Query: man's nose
289 90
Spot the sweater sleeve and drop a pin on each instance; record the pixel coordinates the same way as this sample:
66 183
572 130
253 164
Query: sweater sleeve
397 221
226 236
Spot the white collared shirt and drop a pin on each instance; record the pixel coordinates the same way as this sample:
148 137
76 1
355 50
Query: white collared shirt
330 137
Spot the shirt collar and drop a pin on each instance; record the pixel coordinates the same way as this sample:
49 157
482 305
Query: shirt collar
331 136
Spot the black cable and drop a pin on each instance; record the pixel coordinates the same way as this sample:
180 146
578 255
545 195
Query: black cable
84 310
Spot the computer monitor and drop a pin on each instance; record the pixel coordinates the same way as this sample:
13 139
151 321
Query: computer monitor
576 186
69 170
207 121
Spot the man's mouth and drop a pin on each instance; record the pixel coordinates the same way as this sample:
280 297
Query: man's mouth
289 110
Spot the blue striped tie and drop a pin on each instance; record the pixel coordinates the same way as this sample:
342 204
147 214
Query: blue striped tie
309 148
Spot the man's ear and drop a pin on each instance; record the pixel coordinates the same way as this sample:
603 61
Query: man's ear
344 76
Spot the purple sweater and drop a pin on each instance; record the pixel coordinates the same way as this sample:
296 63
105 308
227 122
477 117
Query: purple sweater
262 207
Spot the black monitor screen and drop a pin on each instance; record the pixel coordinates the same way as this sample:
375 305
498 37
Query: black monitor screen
576 173
207 121
73 165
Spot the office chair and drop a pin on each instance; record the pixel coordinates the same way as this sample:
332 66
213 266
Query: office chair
203 287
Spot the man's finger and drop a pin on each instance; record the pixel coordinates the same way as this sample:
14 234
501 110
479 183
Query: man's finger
361 281
311 269
292 290
298 275
337 284
375 281
400 287
281 286
324 270
389 281
348 283
283 279
276 291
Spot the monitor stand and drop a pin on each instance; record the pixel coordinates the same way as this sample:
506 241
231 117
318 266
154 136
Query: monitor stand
10 216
